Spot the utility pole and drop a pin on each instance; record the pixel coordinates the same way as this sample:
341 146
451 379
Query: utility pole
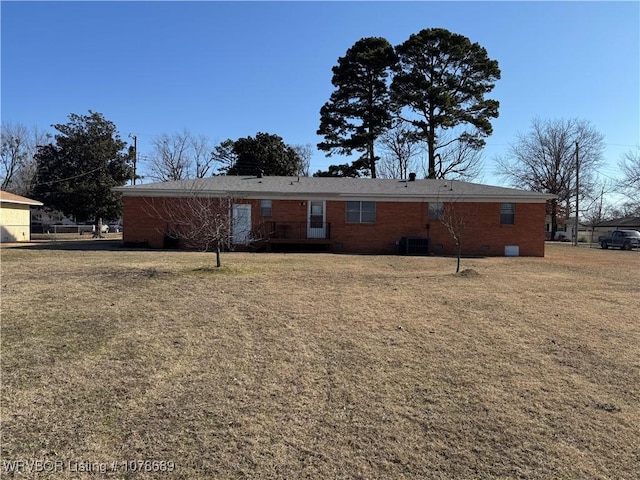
575 240
135 157
599 218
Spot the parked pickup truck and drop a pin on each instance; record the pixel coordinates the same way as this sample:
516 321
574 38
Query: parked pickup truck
625 239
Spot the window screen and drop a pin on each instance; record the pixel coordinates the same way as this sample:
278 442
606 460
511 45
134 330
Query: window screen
265 208
507 214
361 212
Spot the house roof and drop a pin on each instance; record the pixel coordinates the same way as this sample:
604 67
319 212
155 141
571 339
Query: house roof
6 197
624 222
335 187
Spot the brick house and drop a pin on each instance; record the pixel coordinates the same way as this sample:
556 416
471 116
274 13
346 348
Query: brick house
354 215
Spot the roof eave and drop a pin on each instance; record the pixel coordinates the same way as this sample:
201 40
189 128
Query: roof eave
20 202
394 197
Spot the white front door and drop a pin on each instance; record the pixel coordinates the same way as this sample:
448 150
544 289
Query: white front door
316 226
241 227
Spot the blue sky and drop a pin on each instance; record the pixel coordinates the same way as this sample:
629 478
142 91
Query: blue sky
232 69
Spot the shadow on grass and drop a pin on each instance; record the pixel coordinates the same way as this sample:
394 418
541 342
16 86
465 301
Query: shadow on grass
223 270
98 244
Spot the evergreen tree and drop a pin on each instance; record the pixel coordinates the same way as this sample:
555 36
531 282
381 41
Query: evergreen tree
442 80
359 110
76 173
344 170
266 154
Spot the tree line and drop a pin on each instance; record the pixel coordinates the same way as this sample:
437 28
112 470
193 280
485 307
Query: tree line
428 92
74 170
426 97
184 155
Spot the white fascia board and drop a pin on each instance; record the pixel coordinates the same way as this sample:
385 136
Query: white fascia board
448 198
302 196
218 193
33 203
170 193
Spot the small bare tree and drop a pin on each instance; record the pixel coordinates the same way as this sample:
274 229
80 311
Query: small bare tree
202 222
456 222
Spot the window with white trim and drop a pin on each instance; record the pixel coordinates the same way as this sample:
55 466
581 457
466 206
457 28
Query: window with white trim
361 212
265 208
507 214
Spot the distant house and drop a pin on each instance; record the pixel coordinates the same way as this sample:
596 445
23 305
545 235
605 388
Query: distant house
15 217
608 226
563 231
568 231
354 215
624 223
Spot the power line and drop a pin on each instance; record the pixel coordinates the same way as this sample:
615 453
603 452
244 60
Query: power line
605 175
622 145
68 178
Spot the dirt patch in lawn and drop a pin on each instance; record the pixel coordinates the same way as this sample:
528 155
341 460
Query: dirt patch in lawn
467 272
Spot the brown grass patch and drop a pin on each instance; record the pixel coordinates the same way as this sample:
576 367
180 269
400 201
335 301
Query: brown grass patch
323 366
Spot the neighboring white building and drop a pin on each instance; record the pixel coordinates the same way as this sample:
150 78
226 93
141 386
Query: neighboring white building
15 217
624 223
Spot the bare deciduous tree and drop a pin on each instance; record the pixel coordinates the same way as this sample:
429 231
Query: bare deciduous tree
305 152
18 145
630 183
400 147
595 208
457 160
13 152
544 160
202 222
202 158
180 156
630 166
456 222
169 159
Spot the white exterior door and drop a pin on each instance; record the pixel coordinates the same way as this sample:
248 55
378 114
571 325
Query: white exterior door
241 227
316 224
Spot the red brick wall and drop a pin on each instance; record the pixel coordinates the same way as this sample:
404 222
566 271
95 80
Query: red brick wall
146 219
393 221
138 223
484 234
289 211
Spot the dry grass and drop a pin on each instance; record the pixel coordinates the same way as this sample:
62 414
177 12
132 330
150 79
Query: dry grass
323 366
